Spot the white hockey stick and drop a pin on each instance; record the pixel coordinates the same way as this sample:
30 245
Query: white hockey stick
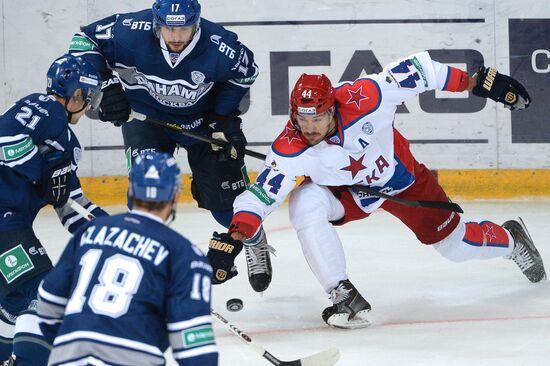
80 209
324 358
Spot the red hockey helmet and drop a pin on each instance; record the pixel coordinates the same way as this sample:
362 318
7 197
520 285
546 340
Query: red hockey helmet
312 95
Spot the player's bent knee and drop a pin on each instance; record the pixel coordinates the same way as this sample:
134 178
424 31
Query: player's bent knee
310 204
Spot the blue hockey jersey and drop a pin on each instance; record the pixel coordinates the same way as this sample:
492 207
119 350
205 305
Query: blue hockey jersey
211 75
32 125
125 288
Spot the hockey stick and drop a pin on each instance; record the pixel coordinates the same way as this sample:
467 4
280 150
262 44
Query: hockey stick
324 358
183 131
449 206
80 209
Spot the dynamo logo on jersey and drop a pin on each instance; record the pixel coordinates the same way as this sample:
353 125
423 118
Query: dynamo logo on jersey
171 93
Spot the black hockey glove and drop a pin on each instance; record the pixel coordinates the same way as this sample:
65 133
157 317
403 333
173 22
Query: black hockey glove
501 88
114 106
228 129
56 176
222 251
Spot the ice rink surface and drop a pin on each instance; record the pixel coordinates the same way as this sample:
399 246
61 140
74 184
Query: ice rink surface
428 311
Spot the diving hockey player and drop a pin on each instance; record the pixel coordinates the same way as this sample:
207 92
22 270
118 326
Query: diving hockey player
39 156
127 286
344 136
169 63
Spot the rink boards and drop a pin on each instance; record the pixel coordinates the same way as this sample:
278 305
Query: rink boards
459 185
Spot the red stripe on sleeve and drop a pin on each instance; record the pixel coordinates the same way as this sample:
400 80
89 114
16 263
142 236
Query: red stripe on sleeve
457 80
245 223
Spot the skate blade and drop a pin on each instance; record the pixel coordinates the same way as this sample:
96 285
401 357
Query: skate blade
361 320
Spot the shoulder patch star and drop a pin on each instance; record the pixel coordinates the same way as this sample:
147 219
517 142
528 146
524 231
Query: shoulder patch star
356 97
290 134
355 166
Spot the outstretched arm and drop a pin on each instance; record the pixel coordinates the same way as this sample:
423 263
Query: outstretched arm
408 77
489 83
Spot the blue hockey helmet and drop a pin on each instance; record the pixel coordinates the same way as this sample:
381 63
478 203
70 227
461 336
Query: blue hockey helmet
176 13
154 177
69 73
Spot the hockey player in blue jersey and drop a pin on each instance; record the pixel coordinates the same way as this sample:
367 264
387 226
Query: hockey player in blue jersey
169 63
127 286
39 155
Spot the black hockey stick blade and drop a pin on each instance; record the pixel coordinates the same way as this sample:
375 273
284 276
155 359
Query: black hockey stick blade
449 206
183 131
324 358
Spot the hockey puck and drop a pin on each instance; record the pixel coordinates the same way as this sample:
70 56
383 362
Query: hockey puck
234 304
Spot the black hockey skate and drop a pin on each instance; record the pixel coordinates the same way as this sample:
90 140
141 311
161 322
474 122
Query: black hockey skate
525 254
350 309
258 262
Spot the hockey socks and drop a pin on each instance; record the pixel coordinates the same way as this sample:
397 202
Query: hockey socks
476 240
29 346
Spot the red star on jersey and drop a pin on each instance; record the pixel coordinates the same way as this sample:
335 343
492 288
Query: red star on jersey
356 97
490 234
354 166
290 134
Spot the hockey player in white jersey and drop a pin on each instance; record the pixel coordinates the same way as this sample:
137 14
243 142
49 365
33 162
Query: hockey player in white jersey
127 286
343 136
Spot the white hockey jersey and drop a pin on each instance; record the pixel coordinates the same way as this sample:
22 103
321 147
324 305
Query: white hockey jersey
365 150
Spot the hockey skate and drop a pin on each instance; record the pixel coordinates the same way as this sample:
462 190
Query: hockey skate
350 309
525 254
258 262
10 361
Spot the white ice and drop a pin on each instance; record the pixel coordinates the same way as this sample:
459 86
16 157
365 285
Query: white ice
428 311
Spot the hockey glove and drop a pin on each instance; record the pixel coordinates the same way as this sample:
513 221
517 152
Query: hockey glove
56 176
228 129
501 88
115 106
222 251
